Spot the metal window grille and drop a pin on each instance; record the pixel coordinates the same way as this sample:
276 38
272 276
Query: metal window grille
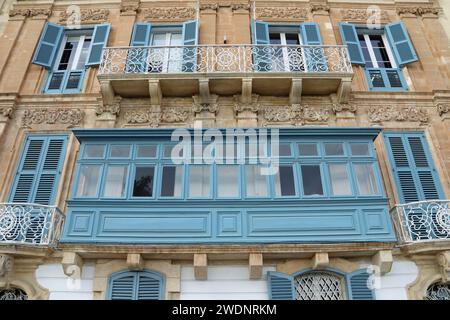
438 291
13 294
319 286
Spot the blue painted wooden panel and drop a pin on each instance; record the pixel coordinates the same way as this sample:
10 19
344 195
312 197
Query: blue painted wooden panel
268 224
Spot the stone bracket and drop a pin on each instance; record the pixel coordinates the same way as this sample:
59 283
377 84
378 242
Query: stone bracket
201 266
203 86
320 260
6 265
107 92
343 94
383 260
443 260
255 265
154 88
135 261
295 94
72 264
246 96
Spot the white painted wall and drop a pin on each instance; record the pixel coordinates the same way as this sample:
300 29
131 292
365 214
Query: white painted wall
52 277
224 282
393 285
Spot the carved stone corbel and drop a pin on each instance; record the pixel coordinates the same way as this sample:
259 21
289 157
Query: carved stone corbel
383 260
295 94
154 88
129 7
443 260
319 9
201 266
320 260
255 264
251 106
6 265
111 108
72 264
201 105
135 261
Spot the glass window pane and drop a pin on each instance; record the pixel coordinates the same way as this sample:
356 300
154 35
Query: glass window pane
143 181
116 179
56 81
312 181
94 151
199 181
284 182
146 151
74 80
83 54
365 177
228 181
307 149
172 179
168 151
285 150
359 149
256 183
88 180
120 151
340 182
334 149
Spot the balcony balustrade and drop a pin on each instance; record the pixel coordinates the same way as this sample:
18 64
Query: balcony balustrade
30 224
275 70
422 221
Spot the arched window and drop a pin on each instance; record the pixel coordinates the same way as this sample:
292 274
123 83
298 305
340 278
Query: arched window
438 291
136 285
319 285
13 294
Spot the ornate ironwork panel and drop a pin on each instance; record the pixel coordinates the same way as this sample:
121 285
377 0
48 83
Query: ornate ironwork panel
438 291
13 294
317 285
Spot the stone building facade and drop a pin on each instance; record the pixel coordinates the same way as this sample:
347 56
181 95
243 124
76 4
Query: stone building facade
93 205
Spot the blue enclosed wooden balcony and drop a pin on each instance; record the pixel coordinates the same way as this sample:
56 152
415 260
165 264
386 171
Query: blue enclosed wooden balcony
130 189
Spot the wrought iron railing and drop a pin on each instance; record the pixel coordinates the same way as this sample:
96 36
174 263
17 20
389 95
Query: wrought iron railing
225 59
28 223
422 220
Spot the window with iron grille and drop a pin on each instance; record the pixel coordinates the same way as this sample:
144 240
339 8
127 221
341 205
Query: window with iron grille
319 285
438 291
13 294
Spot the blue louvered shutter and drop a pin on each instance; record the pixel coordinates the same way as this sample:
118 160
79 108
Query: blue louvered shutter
315 57
149 287
413 168
123 286
281 286
38 173
350 39
260 36
136 285
137 57
400 43
99 41
190 38
359 286
48 45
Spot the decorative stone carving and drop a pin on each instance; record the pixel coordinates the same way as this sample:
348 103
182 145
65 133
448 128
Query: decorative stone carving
417 11
128 7
209 6
295 114
319 8
169 13
6 265
316 115
113 108
280 113
443 108
362 14
344 107
210 105
72 264
70 117
443 260
6 111
390 113
174 114
33 12
282 13
147 116
87 16
240 6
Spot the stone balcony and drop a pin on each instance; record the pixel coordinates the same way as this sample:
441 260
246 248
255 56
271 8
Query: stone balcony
227 70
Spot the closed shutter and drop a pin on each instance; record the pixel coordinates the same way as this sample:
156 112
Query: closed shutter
48 45
359 286
37 176
350 39
413 168
136 285
315 57
190 38
137 58
99 41
281 286
401 43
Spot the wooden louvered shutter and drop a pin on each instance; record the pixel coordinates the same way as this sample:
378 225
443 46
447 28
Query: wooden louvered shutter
123 286
401 43
39 170
350 39
149 287
413 168
99 41
281 286
359 286
136 285
315 56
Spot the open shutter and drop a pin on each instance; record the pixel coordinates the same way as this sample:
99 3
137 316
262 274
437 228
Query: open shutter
359 286
149 287
260 34
315 57
261 56
400 43
39 170
190 38
99 41
48 45
123 286
350 39
413 168
137 57
281 286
